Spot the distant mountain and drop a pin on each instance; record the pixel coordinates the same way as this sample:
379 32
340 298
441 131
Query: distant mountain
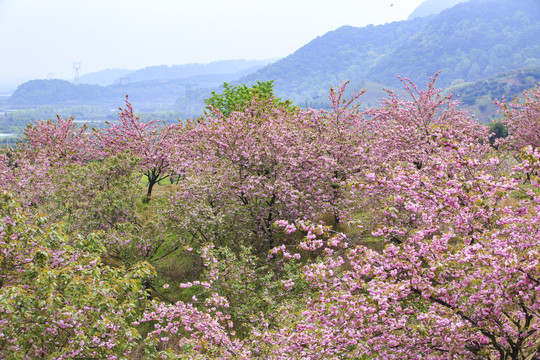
7 86
104 77
433 7
479 96
53 92
207 75
344 54
473 40
164 72
468 42
159 85
203 80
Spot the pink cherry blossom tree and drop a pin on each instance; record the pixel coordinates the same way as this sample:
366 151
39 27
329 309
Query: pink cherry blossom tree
522 118
407 127
151 143
269 162
40 161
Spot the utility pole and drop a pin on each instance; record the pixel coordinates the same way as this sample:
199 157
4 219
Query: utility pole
76 67
188 97
125 83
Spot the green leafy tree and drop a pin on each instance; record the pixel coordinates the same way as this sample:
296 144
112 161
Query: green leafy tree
498 130
238 98
58 300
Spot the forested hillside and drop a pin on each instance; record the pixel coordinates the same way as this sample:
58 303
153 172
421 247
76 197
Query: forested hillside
344 54
473 40
433 7
480 96
53 92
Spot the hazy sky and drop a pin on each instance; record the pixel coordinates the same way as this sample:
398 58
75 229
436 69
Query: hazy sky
42 38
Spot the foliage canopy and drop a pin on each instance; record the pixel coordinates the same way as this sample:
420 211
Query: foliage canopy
395 232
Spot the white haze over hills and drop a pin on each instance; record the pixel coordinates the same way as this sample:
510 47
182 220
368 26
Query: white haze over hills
432 7
234 68
42 39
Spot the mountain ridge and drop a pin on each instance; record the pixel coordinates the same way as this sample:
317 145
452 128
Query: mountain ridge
237 67
433 7
470 41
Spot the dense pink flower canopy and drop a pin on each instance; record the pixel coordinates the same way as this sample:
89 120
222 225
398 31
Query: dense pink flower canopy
396 232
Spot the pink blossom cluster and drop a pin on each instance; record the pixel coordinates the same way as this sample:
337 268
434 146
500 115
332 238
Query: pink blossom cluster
396 232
